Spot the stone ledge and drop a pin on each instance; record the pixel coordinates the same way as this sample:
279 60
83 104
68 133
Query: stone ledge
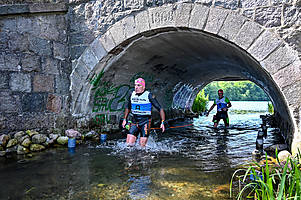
32 8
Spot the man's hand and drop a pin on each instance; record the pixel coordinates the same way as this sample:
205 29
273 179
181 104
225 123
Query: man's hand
162 127
207 114
225 109
123 123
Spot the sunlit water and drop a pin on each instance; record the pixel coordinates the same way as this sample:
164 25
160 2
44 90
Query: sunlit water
195 162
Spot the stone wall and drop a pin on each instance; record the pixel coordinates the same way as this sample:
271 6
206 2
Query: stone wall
34 65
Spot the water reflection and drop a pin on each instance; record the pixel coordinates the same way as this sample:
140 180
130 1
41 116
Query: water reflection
194 162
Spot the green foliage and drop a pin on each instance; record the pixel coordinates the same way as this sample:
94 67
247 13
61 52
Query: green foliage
236 90
200 102
278 181
271 108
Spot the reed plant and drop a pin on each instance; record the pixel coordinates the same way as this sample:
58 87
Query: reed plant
279 181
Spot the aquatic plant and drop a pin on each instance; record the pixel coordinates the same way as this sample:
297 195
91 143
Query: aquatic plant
200 102
270 108
262 182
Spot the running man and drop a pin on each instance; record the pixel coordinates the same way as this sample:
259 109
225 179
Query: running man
223 103
140 103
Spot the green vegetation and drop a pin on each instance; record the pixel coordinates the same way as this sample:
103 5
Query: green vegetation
278 181
200 102
236 90
271 108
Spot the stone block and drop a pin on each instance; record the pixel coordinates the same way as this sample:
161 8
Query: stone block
40 46
9 103
182 14
20 82
199 15
228 4
280 2
33 102
290 94
265 44
60 51
18 42
9 62
216 19
288 75
13 9
54 103
82 70
254 3
24 25
89 59
43 83
247 34
107 41
117 32
62 83
269 16
162 17
98 49
75 85
129 27
47 7
249 13
31 63
142 21
291 16
279 59
3 40
3 80
231 26
50 65
76 51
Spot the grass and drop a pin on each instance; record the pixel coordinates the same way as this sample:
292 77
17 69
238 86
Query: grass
280 181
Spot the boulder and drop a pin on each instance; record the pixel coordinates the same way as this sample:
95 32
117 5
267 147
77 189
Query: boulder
26 142
62 140
30 133
23 138
71 133
11 143
19 135
2 153
283 155
39 138
4 139
53 136
22 150
12 149
91 134
272 149
36 147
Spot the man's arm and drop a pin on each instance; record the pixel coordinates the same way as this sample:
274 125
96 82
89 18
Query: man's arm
127 109
210 109
156 104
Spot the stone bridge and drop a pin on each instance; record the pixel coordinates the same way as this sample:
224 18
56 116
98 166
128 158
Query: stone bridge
99 47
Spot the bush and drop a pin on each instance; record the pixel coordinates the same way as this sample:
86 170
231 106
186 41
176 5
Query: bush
271 108
200 103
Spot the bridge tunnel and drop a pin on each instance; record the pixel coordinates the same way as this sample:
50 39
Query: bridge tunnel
176 64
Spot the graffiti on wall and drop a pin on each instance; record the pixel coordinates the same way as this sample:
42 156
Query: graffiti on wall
109 97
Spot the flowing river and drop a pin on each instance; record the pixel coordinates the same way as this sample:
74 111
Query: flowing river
194 162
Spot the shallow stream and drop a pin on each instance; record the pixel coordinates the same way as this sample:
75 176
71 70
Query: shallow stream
195 162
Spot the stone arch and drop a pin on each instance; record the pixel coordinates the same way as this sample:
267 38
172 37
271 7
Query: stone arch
276 58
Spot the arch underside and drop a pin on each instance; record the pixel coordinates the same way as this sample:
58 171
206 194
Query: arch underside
176 65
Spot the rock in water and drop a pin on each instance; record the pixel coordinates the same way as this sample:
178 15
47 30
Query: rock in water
36 147
62 140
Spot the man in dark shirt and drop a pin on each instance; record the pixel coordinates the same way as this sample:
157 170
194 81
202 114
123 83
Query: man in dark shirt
140 104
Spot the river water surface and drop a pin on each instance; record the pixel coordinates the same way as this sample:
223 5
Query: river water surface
195 162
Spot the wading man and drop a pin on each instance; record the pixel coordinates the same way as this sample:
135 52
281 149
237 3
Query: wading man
223 103
140 103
